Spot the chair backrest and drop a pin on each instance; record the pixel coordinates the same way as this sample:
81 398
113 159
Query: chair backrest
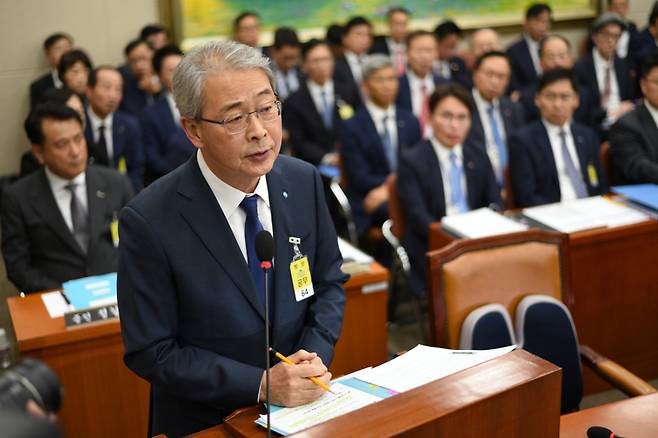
395 211
469 273
606 160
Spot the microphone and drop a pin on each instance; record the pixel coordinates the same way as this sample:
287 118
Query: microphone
265 253
601 432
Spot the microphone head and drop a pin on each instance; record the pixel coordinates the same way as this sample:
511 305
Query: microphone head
264 246
600 432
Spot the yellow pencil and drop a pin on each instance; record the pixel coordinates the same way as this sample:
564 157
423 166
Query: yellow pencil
289 362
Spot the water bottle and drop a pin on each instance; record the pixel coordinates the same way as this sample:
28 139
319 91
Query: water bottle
5 350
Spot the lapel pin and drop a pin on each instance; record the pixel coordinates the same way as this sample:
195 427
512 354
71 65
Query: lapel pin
285 194
100 194
470 165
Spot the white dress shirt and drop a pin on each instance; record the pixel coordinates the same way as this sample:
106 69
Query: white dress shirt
172 107
316 94
566 187
354 62
56 80
443 155
63 195
600 66
96 122
533 46
229 199
397 50
377 114
622 44
415 84
286 82
482 107
653 111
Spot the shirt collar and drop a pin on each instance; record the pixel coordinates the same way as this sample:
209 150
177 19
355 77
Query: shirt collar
428 79
317 89
531 43
555 129
444 152
598 59
378 113
653 111
57 183
96 121
228 197
56 80
481 102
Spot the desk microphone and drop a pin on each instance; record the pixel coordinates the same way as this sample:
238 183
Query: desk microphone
601 432
265 253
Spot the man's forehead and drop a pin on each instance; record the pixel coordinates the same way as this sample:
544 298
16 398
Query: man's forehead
55 129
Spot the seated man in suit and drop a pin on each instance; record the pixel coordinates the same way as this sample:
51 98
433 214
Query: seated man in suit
285 66
417 85
555 159
603 74
141 86
357 38
371 142
246 28
634 138
114 137
394 45
495 117
56 221
443 175
165 148
54 46
191 290
555 52
646 47
524 54
450 65
312 114
629 35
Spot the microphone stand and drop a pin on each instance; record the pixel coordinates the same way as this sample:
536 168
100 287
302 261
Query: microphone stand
266 267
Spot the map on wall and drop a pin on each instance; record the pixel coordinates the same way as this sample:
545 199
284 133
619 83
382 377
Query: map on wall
201 19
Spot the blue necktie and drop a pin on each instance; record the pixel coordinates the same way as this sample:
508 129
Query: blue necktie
252 227
388 146
456 191
327 113
570 168
500 144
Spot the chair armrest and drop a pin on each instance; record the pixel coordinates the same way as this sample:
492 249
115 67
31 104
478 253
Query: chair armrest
615 374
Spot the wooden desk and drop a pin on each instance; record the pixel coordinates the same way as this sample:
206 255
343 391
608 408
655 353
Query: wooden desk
103 398
615 289
495 398
633 417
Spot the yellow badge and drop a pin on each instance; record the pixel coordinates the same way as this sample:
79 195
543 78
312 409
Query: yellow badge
121 166
345 110
593 176
301 278
114 230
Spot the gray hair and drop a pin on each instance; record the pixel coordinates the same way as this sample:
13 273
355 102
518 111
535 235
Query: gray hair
374 63
212 57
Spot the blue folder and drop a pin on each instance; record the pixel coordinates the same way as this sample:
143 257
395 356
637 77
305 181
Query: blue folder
89 292
643 194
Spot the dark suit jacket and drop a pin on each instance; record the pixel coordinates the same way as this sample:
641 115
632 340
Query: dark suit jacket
309 138
191 319
512 120
420 188
588 112
39 250
403 99
39 87
364 160
379 45
523 69
134 99
586 74
459 72
532 165
160 133
634 148
126 143
343 75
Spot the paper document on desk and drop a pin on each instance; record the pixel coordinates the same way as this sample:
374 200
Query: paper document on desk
423 364
585 214
482 222
55 304
348 395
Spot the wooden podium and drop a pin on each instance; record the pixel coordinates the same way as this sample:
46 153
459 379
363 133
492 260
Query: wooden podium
516 395
103 398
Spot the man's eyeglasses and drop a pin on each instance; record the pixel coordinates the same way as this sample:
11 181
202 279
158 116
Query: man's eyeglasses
237 123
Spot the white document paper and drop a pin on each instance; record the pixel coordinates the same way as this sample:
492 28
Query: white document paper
344 399
585 214
352 253
482 222
423 364
55 304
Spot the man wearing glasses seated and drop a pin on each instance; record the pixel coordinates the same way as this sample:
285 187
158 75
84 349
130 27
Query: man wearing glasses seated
191 291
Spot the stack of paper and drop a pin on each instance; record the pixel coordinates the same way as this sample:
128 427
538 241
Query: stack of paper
482 222
355 261
585 214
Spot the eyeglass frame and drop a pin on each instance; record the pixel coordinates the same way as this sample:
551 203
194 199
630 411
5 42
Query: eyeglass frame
246 115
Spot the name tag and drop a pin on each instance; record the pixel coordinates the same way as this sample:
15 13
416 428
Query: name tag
302 283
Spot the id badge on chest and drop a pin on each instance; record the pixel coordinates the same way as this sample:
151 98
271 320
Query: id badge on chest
300 272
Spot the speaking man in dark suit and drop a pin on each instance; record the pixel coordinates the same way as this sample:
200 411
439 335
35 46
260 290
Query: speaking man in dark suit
524 54
371 142
54 46
555 159
495 117
191 291
312 114
162 133
443 175
634 138
114 137
56 221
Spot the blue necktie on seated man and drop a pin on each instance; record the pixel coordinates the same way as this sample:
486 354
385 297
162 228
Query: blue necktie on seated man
252 227
570 168
387 142
500 145
327 111
456 190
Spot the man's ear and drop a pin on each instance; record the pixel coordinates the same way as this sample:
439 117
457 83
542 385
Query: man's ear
192 129
37 151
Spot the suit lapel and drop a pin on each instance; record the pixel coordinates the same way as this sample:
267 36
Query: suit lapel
312 113
547 152
97 201
435 180
591 78
649 130
118 134
205 217
471 175
581 151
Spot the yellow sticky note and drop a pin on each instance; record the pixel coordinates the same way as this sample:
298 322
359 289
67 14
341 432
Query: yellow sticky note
121 166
